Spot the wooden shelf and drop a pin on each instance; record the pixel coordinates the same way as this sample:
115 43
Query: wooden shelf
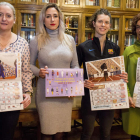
33 27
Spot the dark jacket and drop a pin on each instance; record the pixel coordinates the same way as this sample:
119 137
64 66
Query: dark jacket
90 50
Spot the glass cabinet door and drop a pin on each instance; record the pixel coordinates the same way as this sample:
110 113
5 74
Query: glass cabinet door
49 1
72 2
88 31
28 26
71 24
132 4
92 2
113 34
129 38
113 3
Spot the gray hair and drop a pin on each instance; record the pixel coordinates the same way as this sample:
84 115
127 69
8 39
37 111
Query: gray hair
11 6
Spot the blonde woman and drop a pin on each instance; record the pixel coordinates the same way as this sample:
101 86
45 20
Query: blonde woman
54 49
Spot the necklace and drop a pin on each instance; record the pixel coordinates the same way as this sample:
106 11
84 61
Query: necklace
3 46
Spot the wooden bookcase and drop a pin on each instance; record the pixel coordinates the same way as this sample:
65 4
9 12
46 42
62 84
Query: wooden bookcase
81 11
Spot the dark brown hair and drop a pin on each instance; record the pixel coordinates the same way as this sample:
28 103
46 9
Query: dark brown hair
94 16
134 23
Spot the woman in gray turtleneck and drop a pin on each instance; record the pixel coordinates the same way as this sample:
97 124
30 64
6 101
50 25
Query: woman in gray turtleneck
54 49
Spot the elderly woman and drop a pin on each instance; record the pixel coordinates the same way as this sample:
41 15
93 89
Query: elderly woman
10 42
54 49
131 117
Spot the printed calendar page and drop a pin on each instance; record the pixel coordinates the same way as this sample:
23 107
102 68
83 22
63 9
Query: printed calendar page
136 93
109 91
10 82
64 82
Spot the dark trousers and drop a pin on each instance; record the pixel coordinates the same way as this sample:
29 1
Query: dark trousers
88 118
133 137
8 122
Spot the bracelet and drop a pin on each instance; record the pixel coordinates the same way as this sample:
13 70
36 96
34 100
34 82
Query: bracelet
30 93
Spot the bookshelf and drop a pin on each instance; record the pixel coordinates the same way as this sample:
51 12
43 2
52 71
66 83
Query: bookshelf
132 5
72 25
72 3
87 32
27 2
76 15
128 38
96 4
113 4
114 34
27 23
42 2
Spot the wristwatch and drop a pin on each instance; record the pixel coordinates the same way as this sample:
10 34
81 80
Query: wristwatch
30 93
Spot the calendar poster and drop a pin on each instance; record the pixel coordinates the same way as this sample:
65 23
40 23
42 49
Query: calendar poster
109 91
64 82
10 82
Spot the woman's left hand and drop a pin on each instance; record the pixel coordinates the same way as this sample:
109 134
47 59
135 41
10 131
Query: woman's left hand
27 100
124 76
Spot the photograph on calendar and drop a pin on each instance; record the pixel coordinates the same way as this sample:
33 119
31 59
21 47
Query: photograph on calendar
9 66
105 70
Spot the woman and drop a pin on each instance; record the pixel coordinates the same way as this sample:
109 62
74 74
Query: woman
54 49
96 49
10 42
131 117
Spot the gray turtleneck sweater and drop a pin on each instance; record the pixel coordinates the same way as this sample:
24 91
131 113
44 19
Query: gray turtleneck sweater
54 113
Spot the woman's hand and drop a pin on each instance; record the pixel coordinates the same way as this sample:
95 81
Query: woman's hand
131 103
88 84
43 72
124 76
27 100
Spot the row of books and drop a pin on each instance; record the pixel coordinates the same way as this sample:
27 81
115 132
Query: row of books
115 24
71 21
88 35
49 1
28 20
113 3
29 0
75 2
128 24
132 3
113 38
92 2
28 35
129 39
74 34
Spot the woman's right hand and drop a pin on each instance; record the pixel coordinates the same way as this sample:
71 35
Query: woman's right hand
131 103
43 72
88 84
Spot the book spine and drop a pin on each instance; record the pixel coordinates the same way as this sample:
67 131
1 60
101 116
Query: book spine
32 20
116 24
109 3
126 24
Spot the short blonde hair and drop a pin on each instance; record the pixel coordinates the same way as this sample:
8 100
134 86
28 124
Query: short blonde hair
43 36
